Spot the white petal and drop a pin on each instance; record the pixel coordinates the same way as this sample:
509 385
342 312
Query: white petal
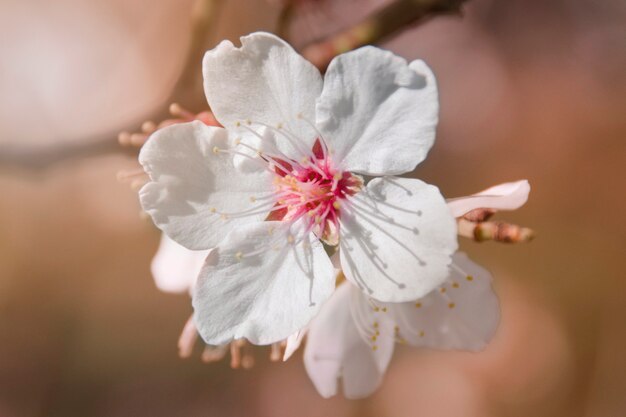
465 316
335 350
396 239
191 185
507 196
264 81
176 268
378 113
264 282
293 343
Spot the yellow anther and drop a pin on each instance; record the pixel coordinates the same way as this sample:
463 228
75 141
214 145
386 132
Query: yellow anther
375 324
237 124
418 305
469 278
377 333
442 290
253 199
279 126
422 333
216 150
374 338
384 309
213 210
318 219
396 329
224 217
451 305
248 122
290 239
374 347
337 176
402 341
239 256
376 309
455 285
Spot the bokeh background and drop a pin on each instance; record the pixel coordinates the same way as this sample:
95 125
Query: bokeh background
529 89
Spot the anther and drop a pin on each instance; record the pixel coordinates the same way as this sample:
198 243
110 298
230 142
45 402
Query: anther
239 256
216 150
451 305
418 305
290 239
213 210
336 204
469 277
252 199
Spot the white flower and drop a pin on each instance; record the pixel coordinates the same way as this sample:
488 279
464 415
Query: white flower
353 337
176 268
284 174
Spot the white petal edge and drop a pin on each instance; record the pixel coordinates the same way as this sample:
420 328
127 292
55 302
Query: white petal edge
397 237
293 343
336 352
506 196
378 113
265 81
176 268
264 282
192 186
463 314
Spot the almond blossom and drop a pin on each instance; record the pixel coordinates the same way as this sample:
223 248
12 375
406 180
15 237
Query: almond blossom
285 176
351 341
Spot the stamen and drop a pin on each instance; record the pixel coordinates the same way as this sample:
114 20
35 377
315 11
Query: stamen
187 339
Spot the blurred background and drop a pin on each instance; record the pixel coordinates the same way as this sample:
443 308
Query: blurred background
528 88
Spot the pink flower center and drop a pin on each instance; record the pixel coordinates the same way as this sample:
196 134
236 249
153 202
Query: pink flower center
314 188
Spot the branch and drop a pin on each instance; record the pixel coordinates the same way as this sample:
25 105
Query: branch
384 23
204 16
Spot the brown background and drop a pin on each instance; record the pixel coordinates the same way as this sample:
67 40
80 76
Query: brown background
529 89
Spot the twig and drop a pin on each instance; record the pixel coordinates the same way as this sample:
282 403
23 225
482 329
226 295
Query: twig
385 22
496 231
